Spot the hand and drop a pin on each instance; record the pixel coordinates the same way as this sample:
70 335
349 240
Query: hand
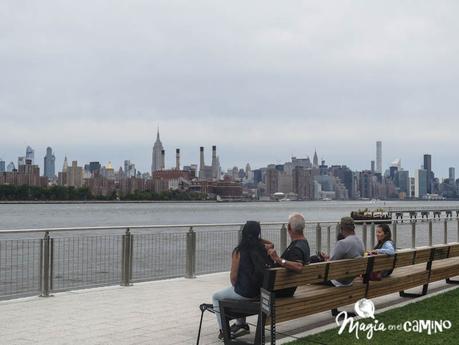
325 256
269 246
273 255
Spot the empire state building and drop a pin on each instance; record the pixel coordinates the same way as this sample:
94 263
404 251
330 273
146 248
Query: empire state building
157 156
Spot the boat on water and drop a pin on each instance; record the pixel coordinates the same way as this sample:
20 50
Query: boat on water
378 216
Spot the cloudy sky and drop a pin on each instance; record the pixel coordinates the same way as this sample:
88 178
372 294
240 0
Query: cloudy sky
263 80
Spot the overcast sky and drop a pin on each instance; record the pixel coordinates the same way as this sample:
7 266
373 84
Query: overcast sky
262 80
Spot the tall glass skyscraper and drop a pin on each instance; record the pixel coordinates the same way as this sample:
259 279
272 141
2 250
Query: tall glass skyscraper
2 165
379 157
428 168
49 164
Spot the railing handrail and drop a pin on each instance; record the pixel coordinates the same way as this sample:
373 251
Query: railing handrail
205 225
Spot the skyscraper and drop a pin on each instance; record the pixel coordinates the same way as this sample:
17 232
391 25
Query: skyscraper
30 154
315 160
49 164
452 175
65 166
403 178
10 167
2 165
428 168
420 187
157 156
21 161
379 157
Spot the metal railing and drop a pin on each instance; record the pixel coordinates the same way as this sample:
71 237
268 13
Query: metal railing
53 260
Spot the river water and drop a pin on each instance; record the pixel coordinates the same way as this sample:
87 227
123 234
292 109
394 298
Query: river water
14 216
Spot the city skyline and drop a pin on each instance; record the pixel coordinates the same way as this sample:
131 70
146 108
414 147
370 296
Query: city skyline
171 157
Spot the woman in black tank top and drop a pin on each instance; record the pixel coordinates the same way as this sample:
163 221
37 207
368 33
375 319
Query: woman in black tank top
249 260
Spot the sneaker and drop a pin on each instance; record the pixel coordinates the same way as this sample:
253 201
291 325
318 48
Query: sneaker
239 330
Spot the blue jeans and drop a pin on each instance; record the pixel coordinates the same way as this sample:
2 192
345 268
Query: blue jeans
226 293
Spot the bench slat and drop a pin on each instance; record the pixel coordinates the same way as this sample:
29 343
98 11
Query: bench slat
336 297
404 258
348 268
383 263
394 284
313 273
454 250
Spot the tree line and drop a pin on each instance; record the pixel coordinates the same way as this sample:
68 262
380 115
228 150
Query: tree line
61 193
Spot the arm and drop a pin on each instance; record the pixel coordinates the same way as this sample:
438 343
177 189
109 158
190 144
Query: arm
387 248
290 265
234 267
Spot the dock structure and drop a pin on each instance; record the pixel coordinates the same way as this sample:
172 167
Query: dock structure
424 212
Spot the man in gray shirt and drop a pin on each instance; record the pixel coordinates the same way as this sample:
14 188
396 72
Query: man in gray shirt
350 247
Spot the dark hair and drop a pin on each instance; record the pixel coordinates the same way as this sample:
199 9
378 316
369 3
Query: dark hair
387 235
250 238
251 244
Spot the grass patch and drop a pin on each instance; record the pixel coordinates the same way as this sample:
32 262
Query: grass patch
441 307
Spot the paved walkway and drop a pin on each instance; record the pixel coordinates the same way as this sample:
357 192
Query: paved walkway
161 312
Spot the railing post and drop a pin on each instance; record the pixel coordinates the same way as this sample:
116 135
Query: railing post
430 232
328 239
413 233
457 229
372 239
318 238
46 265
190 254
283 238
394 233
445 232
126 261
365 235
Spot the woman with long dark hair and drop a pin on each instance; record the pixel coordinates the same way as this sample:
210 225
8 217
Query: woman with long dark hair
384 237
248 263
384 245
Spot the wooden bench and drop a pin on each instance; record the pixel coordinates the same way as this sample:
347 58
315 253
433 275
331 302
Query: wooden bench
411 268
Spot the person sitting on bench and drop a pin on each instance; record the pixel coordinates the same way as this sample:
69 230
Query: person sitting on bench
297 253
384 245
350 247
249 260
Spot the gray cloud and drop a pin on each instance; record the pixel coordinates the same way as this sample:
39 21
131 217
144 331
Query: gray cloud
260 79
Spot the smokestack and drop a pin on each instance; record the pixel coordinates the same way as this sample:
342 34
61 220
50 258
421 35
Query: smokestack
201 162
177 159
163 159
214 161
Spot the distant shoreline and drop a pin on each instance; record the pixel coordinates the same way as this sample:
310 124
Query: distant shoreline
70 202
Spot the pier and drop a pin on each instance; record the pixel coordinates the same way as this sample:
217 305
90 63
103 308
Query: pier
423 212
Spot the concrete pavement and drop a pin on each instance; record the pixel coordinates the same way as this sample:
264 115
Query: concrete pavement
159 312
